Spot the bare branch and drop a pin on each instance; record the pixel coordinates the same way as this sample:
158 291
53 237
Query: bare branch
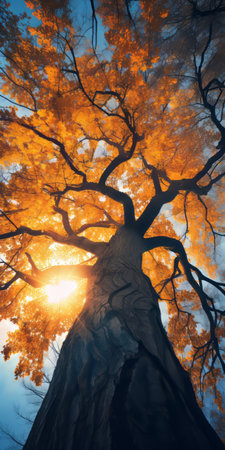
185 215
65 219
209 164
177 247
54 141
40 278
109 217
122 157
100 224
204 90
6 216
74 240
155 173
126 117
208 222
153 208
175 186
10 282
17 104
129 12
23 88
94 26
11 436
100 208
35 270
114 194
75 72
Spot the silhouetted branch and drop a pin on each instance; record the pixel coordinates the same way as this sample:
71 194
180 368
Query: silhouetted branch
177 247
42 277
11 436
185 215
6 216
175 186
94 26
204 90
73 239
65 219
114 194
100 224
214 233
44 136
10 282
24 89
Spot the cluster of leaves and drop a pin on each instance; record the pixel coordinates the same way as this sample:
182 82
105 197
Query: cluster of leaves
104 130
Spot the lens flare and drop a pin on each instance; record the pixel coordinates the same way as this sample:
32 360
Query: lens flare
59 291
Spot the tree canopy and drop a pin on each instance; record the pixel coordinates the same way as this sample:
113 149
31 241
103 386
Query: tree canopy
113 115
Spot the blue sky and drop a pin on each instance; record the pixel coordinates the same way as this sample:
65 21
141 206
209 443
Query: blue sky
13 395
18 6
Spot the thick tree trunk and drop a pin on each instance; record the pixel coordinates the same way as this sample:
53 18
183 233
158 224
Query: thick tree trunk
118 384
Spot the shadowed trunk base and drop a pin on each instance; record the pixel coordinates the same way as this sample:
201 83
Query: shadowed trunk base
106 396
148 413
118 384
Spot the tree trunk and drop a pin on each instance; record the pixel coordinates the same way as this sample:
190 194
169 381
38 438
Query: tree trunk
118 384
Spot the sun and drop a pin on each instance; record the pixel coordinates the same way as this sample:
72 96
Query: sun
60 290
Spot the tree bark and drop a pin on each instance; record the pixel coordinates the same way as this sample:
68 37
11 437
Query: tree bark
118 384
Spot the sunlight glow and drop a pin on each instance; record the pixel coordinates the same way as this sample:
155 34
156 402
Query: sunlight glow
60 291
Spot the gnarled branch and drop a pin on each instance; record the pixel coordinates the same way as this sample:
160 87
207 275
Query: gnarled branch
40 278
81 242
176 246
114 194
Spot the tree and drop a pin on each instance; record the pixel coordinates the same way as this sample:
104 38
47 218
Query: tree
115 164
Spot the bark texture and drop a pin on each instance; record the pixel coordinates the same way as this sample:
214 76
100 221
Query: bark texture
118 384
